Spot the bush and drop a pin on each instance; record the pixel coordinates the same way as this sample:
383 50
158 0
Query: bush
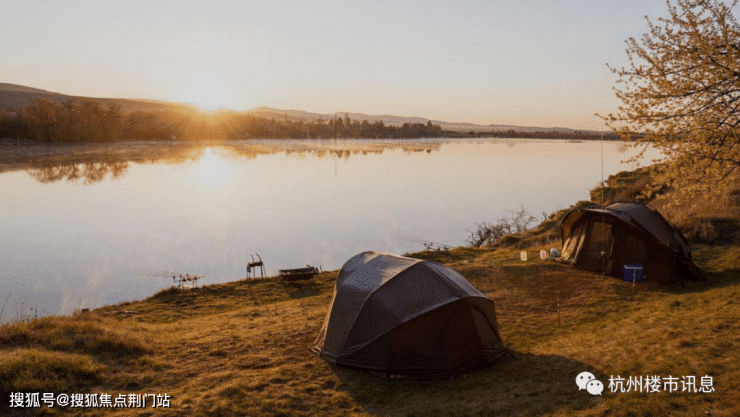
489 234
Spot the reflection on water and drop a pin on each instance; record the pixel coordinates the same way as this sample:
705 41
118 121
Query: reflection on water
88 164
87 172
80 222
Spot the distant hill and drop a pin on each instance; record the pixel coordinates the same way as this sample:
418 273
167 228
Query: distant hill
278 114
22 89
14 97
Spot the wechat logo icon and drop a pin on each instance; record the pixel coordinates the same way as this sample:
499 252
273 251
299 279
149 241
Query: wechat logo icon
587 381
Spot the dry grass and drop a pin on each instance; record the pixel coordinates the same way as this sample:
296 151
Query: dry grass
715 222
242 348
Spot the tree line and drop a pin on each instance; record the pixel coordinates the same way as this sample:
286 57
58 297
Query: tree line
88 121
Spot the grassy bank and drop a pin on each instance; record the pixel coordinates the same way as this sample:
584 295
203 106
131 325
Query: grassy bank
242 348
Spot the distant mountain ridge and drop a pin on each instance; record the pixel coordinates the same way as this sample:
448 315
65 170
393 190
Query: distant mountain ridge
14 97
22 89
295 115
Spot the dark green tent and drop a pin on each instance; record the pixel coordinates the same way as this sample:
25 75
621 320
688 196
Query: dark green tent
399 316
605 240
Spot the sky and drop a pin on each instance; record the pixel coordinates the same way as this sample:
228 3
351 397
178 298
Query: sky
515 62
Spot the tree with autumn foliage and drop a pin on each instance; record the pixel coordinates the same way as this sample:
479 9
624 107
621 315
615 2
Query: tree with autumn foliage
42 117
680 92
82 121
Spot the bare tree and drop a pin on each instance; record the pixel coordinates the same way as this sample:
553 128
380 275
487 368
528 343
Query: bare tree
488 234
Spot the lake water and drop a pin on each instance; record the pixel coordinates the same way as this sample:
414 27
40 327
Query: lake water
95 229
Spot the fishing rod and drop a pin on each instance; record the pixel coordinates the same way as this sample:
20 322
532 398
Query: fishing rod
428 244
181 280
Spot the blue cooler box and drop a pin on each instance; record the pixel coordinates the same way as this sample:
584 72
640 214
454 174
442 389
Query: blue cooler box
632 271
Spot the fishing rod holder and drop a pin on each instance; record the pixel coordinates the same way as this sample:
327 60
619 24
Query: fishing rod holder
252 267
184 281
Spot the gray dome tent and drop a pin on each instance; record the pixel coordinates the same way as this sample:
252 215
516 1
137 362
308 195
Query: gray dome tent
606 239
399 316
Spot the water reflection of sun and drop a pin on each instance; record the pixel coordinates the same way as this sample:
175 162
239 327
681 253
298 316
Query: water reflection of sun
211 171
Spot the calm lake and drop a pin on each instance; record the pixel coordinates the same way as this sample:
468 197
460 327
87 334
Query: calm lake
89 225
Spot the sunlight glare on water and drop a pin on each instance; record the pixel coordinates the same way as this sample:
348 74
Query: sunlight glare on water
211 171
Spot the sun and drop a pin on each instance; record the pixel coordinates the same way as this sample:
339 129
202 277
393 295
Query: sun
206 92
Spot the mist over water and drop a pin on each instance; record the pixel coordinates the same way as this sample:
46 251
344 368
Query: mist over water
81 231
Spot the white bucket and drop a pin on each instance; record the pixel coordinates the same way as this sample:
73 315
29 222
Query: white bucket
544 255
523 255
